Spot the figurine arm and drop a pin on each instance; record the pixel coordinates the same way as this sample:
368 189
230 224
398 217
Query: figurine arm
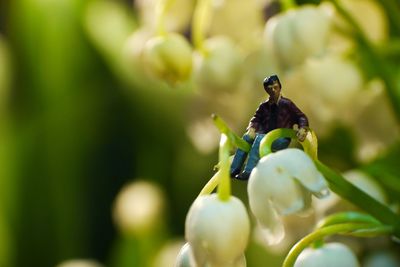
251 132
302 121
255 122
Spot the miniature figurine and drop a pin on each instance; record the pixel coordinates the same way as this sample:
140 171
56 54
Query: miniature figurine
276 112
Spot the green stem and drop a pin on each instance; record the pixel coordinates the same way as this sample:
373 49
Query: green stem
348 191
224 187
319 234
350 216
269 138
211 185
201 17
310 144
233 138
288 4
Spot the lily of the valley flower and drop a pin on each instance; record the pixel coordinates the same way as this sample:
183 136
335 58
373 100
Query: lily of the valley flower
219 66
217 231
329 255
330 98
281 184
168 57
298 34
139 208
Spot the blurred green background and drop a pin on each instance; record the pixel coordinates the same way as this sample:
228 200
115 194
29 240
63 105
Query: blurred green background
76 125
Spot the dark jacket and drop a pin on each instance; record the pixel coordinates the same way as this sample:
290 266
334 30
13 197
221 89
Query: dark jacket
271 116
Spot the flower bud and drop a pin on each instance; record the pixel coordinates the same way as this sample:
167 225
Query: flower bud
281 184
240 20
168 57
217 231
295 35
329 255
138 208
219 67
334 79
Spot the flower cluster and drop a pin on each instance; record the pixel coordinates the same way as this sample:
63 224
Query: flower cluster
217 226
312 47
331 61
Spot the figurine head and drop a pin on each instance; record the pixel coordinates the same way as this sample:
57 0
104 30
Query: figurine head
272 86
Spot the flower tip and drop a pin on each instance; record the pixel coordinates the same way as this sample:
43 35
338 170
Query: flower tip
323 193
272 236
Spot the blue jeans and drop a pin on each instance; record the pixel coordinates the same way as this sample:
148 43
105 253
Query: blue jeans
254 155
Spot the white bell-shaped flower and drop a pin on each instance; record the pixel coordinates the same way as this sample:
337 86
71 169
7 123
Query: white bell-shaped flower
139 208
217 231
282 184
295 35
168 57
329 255
219 68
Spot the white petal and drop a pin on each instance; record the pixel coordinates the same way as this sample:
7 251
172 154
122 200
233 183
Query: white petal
310 28
330 255
269 181
301 166
216 230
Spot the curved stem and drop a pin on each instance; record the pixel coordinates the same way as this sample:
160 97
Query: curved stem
350 216
269 138
224 187
345 228
310 144
211 184
201 17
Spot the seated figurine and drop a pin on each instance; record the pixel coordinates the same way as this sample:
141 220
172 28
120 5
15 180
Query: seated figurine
276 112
